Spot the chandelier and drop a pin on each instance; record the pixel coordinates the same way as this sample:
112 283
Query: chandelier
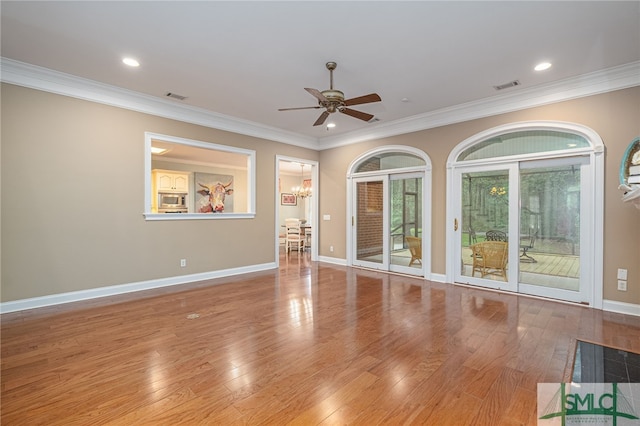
304 190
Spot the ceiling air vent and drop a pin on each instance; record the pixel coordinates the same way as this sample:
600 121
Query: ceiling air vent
507 85
176 96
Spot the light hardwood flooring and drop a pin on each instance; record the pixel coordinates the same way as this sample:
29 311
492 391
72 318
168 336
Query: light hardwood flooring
307 344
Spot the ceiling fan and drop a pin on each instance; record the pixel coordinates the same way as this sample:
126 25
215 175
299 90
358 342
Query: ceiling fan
333 100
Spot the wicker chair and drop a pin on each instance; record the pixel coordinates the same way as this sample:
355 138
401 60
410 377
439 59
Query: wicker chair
415 247
490 258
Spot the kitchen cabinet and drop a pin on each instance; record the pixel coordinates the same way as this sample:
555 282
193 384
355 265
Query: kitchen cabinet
171 182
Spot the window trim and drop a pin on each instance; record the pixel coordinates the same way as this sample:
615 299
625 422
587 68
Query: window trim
559 126
251 180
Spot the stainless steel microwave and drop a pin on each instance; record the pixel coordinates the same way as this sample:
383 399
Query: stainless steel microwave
177 202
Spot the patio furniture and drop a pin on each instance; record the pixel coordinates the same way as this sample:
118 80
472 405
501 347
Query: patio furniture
490 258
524 257
494 235
415 248
472 236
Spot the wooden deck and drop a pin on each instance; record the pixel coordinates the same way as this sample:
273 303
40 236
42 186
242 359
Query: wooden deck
560 265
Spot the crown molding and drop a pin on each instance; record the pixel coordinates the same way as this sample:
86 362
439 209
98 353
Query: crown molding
608 80
35 77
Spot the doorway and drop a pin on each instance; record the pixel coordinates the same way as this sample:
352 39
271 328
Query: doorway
296 197
524 211
389 190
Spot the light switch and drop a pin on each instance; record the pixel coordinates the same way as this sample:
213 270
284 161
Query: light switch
622 274
326 217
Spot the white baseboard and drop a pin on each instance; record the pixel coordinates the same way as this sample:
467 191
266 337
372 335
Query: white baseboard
621 307
439 278
76 296
334 260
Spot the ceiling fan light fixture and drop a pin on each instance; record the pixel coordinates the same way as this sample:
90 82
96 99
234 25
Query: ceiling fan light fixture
331 125
333 100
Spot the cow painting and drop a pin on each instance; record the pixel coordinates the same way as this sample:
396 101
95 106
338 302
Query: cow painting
213 197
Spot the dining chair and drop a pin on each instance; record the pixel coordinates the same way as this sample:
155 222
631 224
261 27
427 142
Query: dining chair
307 236
294 238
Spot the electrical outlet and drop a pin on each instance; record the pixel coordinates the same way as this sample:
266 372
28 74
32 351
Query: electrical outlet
183 263
622 285
331 249
622 274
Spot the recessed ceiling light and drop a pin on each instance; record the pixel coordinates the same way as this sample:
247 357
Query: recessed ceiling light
543 66
131 62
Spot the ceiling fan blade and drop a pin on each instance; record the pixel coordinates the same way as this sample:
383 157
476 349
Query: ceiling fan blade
317 94
357 114
291 109
321 119
371 97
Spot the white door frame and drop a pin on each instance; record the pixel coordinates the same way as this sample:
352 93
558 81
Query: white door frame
513 193
384 263
314 204
595 182
426 197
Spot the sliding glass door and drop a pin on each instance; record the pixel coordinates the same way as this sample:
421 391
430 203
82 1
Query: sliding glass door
370 238
486 199
387 222
552 211
535 210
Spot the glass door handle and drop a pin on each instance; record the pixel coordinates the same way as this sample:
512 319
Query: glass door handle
455 224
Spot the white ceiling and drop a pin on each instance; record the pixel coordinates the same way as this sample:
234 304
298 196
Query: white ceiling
247 59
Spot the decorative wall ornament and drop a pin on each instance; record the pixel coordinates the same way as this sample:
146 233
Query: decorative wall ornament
630 174
288 199
214 193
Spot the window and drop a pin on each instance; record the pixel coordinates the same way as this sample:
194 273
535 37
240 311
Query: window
522 143
389 160
188 179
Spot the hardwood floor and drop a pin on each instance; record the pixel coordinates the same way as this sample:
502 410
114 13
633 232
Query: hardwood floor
307 344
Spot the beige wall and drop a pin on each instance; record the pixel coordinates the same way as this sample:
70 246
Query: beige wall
72 200
72 194
614 116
